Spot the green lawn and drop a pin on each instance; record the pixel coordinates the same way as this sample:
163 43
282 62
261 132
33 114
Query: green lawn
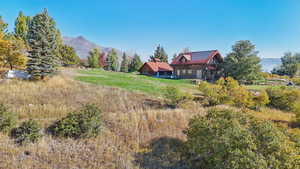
133 82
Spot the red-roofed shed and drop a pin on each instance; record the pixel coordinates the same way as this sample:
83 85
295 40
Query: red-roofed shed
156 68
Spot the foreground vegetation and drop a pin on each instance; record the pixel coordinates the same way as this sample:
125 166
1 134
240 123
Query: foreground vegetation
132 130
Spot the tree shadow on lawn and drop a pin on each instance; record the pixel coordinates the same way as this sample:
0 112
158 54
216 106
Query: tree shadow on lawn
164 153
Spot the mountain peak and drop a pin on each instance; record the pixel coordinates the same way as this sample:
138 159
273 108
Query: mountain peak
80 38
83 46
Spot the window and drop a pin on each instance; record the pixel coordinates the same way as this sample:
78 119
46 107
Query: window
183 71
190 71
178 72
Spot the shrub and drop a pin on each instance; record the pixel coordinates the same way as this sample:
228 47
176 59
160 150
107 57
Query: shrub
260 99
82 124
226 139
214 94
175 97
28 132
284 98
296 81
7 119
228 91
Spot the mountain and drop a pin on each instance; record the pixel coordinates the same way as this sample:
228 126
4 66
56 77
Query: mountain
83 46
269 64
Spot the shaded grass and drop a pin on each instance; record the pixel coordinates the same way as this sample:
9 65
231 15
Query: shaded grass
132 82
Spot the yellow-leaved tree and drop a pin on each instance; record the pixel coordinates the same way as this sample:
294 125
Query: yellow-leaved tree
12 52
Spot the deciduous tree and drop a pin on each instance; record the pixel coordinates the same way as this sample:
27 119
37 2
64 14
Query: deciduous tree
22 26
112 60
12 51
68 55
125 63
93 58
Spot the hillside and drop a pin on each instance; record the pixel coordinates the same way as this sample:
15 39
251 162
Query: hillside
139 131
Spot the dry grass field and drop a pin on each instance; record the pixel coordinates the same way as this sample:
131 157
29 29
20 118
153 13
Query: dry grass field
133 123
138 131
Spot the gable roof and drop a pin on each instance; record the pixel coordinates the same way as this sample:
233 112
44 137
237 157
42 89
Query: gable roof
201 57
158 66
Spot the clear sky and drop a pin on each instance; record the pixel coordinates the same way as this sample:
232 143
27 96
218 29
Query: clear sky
140 25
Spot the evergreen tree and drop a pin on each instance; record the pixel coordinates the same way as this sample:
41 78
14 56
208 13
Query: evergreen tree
68 55
160 54
42 41
125 63
290 65
174 57
21 26
93 58
112 60
242 63
135 64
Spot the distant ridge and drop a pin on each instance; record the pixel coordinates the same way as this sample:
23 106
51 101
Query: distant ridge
83 46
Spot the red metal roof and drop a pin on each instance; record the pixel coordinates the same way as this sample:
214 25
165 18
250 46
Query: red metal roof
201 57
158 66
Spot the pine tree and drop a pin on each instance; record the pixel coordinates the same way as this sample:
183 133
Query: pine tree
93 58
174 57
42 41
125 63
242 63
160 54
135 64
112 61
21 26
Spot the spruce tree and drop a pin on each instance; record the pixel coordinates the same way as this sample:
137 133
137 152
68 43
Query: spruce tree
93 58
125 63
135 64
42 41
160 54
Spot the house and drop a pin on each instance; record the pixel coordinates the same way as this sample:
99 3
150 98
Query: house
156 68
198 65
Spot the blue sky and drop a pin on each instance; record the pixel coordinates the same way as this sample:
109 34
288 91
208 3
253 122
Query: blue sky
140 25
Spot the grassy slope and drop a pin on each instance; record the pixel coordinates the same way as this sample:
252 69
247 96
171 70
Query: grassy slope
132 82
135 134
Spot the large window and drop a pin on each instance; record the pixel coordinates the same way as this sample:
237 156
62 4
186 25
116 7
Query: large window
178 72
183 71
190 71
